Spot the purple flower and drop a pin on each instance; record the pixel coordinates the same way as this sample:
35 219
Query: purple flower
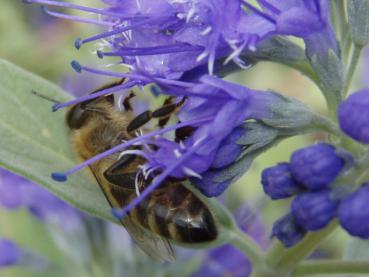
10 190
166 38
353 213
314 210
229 261
288 231
308 20
278 181
316 166
18 192
10 253
353 116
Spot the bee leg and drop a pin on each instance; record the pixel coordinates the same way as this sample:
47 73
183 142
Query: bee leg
126 103
117 175
164 113
183 133
139 121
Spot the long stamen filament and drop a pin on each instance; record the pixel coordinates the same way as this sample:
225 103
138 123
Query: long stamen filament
258 12
269 6
78 7
79 42
146 51
94 95
77 18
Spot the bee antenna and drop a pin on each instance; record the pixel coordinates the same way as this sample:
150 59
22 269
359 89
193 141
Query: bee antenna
45 97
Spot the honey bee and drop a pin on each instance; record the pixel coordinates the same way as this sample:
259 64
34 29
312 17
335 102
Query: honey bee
171 212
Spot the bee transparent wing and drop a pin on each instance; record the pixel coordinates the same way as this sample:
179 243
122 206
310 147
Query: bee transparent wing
153 245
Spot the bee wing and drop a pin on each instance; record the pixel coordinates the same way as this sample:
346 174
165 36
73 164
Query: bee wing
153 245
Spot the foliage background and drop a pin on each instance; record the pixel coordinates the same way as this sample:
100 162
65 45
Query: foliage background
45 46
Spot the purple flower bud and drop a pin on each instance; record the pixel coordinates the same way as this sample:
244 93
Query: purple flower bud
278 181
209 185
287 230
316 166
10 253
229 149
353 213
314 210
353 116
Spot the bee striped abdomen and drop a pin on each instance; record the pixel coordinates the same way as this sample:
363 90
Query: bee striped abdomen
174 212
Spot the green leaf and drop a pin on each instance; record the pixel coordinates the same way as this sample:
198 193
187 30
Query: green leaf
34 141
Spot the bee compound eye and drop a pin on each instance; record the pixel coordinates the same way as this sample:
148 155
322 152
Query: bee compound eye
76 117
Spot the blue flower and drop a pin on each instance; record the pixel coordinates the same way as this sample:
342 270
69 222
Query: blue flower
10 253
314 210
166 38
353 213
316 166
353 116
288 231
18 192
309 20
278 181
10 190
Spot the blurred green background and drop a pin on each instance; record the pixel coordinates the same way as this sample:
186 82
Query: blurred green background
45 46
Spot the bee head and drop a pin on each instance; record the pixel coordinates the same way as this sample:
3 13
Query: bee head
80 113
76 117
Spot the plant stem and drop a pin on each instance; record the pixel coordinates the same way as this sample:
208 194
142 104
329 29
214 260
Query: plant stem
331 267
344 30
249 247
284 260
351 69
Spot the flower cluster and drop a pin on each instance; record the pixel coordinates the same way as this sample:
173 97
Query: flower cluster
309 175
171 43
185 48
169 38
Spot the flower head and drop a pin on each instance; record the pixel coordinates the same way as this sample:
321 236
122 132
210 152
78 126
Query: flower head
316 166
10 253
18 192
166 38
10 190
353 115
